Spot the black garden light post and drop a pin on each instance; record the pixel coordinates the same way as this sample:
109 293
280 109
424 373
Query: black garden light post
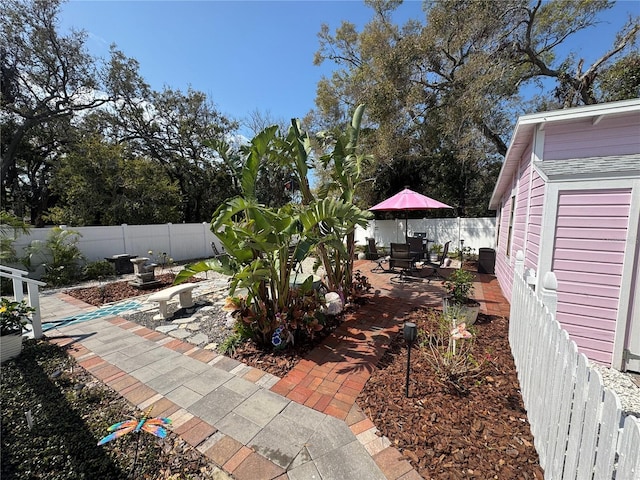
410 332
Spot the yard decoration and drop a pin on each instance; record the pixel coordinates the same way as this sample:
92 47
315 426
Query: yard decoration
451 354
155 426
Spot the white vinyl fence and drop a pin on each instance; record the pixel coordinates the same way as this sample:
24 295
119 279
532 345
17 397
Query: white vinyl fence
189 241
476 232
578 427
180 241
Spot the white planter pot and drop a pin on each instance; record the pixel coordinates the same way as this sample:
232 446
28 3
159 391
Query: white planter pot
10 346
463 313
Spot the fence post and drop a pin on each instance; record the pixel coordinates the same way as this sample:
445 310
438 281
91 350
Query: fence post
124 237
206 251
36 317
549 292
520 263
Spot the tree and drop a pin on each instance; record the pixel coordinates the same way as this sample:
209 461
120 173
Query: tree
457 75
175 130
99 183
46 78
621 80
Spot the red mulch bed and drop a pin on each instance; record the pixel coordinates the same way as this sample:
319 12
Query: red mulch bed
474 427
117 291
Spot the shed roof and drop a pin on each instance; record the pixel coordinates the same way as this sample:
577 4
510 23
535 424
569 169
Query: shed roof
525 129
618 165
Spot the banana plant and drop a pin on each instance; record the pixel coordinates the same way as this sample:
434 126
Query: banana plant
262 245
336 254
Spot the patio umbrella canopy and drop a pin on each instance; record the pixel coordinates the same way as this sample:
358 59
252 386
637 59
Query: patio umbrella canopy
408 200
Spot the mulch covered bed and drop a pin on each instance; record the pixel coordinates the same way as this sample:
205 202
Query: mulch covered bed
118 291
446 434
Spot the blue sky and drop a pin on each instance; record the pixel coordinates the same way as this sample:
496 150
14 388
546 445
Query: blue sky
251 55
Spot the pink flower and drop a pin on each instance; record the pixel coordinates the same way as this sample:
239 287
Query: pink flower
460 332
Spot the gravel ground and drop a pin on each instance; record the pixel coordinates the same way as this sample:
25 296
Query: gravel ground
628 392
206 318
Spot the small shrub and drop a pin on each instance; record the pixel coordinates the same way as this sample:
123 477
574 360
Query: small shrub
161 258
99 270
231 343
60 256
451 353
459 285
360 285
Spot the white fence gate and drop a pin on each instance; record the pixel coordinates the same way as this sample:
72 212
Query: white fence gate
577 424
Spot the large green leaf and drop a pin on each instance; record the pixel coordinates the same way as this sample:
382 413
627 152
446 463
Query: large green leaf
220 265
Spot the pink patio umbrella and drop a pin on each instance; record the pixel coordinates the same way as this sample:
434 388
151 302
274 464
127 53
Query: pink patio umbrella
409 200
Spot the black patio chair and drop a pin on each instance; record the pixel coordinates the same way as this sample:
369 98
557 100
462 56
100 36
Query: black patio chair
416 247
216 252
402 259
373 254
438 263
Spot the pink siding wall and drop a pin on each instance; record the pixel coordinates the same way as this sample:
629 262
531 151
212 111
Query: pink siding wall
587 259
522 202
504 272
582 139
534 227
504 263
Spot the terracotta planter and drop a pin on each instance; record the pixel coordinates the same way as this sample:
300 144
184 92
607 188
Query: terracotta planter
10 346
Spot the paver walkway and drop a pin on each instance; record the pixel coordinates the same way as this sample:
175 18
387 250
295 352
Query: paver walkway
332 376
252 424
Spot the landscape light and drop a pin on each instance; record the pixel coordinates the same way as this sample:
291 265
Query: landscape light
410 333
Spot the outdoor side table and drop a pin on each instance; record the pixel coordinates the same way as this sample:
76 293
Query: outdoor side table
122 263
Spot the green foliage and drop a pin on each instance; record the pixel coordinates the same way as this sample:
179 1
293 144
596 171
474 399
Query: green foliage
60 256
13 316
11 227
459 285
264 243
360 285
229 344
156 166
621 81
99 183
443 92
99 270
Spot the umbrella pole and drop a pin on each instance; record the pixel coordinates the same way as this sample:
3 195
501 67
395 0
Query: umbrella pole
406 226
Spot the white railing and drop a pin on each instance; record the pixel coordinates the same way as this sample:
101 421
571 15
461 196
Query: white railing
19 279
578 427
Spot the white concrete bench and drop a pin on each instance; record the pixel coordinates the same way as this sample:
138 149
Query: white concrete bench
163 296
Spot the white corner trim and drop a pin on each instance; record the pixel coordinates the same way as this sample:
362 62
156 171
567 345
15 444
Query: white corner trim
626 293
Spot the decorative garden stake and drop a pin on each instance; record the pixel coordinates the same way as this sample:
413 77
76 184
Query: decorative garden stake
155 426
459 333
410 333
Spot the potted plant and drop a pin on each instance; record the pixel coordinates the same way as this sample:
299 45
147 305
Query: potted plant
435 252
13 318
459 286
